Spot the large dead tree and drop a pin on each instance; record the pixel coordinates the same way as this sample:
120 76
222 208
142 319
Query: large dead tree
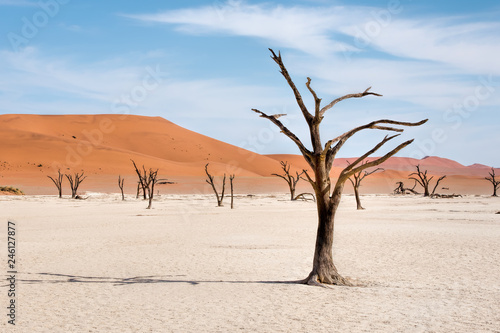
493 182
320 158
58 182
210 181
289 178
424 181
356 180
74 182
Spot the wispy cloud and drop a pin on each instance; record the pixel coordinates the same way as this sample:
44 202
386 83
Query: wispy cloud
305 29
321 31
468 47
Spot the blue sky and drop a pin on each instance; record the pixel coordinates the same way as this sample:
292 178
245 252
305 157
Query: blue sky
205 64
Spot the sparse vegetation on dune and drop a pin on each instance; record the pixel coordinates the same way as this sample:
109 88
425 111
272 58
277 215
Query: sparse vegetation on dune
10 190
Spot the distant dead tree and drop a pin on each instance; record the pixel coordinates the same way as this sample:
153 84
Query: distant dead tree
148 180
210 181
120 185
423 181
58 182
493 182
231 178
142 176
290 179
74 182
320 159
401 189
356 180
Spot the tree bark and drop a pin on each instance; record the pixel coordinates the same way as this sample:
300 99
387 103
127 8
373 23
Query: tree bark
324 270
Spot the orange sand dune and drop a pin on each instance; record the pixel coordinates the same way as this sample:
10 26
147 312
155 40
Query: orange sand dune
35 146
459 178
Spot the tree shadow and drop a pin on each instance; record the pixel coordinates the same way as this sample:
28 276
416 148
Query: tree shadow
56 278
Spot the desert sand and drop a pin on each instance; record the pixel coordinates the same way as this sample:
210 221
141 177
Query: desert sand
33 147
106 265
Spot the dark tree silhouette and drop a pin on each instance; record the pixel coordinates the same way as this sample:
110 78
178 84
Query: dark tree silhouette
493 182
142 176
290 179
150 181
58 182
424 181
321 158
147 181
231 178
74 183
120 185
401 189
210 181
356 180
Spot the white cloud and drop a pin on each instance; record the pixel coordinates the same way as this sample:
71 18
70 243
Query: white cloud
305 29
467 47
426 61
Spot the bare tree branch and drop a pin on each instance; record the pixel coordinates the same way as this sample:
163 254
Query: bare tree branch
298 97
329 152
307 154
375 162
358 95
58 182
437 183
317 101
210 181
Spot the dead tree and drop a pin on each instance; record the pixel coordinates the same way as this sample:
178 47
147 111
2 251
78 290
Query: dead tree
231 178
424 181
320 159
142 177
210 181
493 182
58 182
120 185
402 190
150 182
75 182
290 179
433 193
356 180
147 181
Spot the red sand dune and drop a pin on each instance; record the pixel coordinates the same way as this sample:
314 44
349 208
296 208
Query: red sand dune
34 146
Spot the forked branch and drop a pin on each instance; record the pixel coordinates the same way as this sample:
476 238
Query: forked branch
210 181
335 101
277 59
329 152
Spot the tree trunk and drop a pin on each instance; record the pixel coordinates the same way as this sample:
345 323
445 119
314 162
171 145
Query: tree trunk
358 201
426 191
292 192
494 191
324 270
